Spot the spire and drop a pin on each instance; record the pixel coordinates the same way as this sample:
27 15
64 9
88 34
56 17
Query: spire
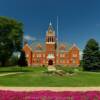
50 31
50 28
74 45
50 24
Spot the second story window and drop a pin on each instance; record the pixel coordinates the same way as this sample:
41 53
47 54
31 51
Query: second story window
38 55
74 55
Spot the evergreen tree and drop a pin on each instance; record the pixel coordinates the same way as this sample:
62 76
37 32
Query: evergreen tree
22 60
91 56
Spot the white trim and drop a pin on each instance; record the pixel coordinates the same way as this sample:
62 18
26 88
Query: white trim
50 42
50 56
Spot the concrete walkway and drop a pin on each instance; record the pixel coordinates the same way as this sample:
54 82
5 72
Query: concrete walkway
11 73
50 88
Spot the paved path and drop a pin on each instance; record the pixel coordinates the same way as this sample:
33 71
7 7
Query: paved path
11 73
50 88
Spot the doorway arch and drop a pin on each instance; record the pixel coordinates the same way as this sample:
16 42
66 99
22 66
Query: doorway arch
50 62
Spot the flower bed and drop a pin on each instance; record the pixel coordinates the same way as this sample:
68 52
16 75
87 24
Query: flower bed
49 95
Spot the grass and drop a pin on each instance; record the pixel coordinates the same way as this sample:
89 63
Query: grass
20 69
36 77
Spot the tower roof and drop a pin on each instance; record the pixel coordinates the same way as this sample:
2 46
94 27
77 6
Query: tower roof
50 30
50 23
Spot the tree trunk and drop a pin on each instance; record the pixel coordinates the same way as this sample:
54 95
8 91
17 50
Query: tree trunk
2 63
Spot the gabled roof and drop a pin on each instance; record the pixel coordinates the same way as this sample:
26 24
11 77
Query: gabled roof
39 46
74 46
62 47
26 45
36 46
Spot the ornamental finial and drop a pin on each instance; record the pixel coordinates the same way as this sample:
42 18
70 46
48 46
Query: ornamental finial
50 23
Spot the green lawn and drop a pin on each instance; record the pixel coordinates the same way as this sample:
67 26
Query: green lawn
37 77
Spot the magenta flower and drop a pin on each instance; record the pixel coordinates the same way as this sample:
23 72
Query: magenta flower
50 95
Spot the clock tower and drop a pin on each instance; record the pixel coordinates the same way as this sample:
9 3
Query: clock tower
50 45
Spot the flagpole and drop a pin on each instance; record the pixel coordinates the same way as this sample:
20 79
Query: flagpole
57 34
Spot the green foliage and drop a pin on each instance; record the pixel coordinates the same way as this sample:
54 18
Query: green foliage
91 56
22 60
8 69
6 49
13 61
11 36
69 69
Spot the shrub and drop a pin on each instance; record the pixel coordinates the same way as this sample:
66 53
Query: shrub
22 60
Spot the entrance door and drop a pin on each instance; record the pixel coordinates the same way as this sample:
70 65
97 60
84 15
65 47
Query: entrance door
50 62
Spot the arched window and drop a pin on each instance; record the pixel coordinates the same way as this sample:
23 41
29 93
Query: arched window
48 39
52 39
73 60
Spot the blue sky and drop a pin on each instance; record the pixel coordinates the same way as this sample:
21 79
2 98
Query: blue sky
79 20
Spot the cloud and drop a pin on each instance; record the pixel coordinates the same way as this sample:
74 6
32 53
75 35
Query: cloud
28 38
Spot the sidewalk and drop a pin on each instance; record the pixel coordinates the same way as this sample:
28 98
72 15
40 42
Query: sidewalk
10 73
50 88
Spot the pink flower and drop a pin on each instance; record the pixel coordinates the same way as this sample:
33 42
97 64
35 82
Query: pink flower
50 95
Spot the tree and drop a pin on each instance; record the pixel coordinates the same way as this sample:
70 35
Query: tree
22 60
91 56
11 37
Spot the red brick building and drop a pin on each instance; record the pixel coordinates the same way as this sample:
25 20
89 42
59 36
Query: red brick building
50 53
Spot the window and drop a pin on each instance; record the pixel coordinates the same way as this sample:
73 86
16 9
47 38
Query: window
62 55
67 61
57 61
33 61
48 39
73 60
43 61
38 55
33 55
38 60
27 55
50 56
62 60
43 55
74 55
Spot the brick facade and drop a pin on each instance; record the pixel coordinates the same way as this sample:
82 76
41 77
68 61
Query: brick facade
52 52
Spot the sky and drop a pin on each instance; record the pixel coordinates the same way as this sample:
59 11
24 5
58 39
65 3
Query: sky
79 20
